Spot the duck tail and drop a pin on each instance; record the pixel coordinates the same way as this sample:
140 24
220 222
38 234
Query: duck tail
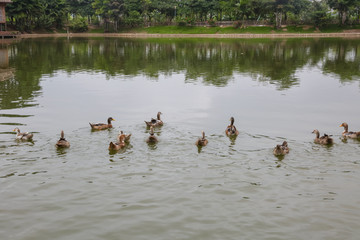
127 137
111 145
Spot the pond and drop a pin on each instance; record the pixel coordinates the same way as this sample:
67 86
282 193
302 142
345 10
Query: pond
233 188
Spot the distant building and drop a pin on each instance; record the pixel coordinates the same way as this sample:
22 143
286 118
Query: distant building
2 14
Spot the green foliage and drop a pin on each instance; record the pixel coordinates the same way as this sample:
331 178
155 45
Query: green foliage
45 22
79 24
80 7
48 14
157 17
319 14
180 21
134 19
212 22
37 14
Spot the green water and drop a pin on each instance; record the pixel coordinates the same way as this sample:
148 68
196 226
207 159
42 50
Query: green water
230 189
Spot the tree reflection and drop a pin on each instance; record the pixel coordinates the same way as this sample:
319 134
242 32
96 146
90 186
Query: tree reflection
211 61
342 59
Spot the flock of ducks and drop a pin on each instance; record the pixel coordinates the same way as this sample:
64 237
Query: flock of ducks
230 131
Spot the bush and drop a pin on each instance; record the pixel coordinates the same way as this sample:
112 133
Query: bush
180 21
157 17
190 21
79 24
134 19
237 24
320 18
45 22
212 22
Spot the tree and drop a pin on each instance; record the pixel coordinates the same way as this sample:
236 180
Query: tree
343 7
80 7
53 13
22 14
102 8
278 8
319 11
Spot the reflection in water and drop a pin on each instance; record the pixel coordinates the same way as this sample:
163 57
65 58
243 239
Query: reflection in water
232 139
6 72
152 145
16 88
214 62
61 151
199 148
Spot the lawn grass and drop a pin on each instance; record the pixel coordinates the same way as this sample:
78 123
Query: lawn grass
230 29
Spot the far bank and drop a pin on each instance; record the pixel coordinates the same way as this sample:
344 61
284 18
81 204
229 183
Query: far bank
240 35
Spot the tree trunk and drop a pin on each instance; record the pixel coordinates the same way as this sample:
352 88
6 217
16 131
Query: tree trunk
278 17
343 17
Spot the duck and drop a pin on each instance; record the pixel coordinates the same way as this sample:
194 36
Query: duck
202 141
102 126
348 134
155 122
281 149
118 145
23 136
325 140
231 129
62 143
126 136
152 138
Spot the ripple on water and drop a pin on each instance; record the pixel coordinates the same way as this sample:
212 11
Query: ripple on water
172 190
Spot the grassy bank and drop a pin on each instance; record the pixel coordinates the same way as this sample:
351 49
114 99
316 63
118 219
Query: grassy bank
232 30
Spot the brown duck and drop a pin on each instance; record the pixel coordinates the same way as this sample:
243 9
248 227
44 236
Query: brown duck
325 140
62 143
231 129
152 138
281 149
126 136
23 136
155 122
202 141
118 145
102 126
348 134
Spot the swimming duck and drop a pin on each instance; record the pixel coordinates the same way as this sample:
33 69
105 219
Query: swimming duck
231 129
325 140
202 141
102 126
155 122
281 149
23 136
62 143
118 145
348 134
152 138
126 136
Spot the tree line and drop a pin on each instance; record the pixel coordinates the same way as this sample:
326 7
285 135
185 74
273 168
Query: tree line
116 14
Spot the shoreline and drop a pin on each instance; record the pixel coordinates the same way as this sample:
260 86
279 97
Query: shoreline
239 35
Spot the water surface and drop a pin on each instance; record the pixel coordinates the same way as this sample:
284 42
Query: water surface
233 188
